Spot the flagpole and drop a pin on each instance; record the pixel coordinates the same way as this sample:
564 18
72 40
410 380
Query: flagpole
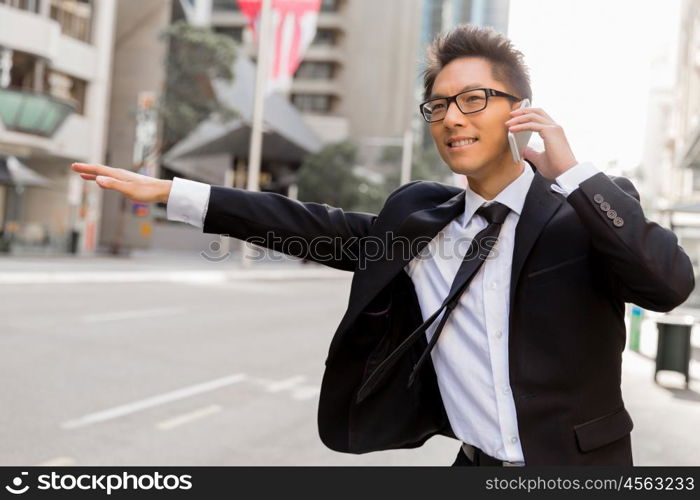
255 151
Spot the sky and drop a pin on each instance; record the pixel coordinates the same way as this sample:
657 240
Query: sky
590 68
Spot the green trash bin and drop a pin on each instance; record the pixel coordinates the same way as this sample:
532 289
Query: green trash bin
636 316
673 345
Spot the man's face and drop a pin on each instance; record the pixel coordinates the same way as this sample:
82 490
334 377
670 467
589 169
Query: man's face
491 151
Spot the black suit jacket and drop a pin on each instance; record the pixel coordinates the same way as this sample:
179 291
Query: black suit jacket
576 262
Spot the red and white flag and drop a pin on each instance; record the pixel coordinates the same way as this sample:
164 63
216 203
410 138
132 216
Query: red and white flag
293 28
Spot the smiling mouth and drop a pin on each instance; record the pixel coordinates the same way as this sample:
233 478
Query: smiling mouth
463 144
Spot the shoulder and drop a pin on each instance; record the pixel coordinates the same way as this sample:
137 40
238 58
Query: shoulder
626 185
422 192
603 181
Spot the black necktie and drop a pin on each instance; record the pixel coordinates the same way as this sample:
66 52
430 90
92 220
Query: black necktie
479 249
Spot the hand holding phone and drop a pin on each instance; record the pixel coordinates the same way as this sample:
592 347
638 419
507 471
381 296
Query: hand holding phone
519 140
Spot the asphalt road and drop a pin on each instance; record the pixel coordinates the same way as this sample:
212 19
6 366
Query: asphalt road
172 374
131 363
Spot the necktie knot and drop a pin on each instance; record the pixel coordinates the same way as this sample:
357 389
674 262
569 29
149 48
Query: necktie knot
496 212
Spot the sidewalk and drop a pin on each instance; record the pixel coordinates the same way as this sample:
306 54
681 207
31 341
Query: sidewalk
665 415
154 267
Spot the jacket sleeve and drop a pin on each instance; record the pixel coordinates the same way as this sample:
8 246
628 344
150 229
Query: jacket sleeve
647 266
313 231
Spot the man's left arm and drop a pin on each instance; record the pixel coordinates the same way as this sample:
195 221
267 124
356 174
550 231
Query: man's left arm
647 264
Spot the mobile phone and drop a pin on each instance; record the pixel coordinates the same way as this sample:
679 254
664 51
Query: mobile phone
519 140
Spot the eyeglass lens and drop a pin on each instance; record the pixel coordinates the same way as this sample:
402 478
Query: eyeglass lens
467 102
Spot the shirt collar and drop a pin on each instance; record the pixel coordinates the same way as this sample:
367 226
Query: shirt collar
513 195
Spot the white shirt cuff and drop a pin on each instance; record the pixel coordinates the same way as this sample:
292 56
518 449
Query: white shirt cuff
572 178
188 201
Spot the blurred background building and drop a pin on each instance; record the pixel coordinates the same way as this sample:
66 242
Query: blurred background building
79 81
55 83
85 81
669 174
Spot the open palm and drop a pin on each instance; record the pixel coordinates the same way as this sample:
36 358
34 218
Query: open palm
134 186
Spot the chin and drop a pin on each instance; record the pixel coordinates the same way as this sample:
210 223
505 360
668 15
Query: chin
466 168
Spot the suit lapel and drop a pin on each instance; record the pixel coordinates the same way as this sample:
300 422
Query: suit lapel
418 228
540 205
421 226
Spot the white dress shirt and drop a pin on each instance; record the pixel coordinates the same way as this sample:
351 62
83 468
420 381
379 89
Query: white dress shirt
471 355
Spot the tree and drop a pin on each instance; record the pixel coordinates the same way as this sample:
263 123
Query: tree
327 176
196 55
426 165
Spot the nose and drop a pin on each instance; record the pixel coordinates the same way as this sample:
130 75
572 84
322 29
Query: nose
453 116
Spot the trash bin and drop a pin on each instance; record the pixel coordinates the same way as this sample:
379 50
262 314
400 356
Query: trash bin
73 240
673 345
636 316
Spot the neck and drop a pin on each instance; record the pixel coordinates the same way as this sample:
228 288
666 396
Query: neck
489 186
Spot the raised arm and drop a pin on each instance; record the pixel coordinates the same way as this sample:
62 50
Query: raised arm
315 231
647 265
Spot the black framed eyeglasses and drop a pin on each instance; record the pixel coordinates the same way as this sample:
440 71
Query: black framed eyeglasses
468 101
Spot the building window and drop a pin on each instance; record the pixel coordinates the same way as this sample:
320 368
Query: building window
22 72
312 70
325 36
60 85
225 5
235 32
67 88
329 5
74 16
313 103
30 5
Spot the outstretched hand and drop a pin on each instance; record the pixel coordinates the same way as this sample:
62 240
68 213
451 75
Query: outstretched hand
136 187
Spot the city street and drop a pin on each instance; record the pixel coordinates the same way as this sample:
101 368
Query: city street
216 365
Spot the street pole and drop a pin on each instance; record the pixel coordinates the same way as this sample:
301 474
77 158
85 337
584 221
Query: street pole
406 156
255 151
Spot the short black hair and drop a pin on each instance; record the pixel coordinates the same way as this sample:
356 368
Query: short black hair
469 40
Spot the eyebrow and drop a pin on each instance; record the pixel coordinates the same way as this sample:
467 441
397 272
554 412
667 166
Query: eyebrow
466 87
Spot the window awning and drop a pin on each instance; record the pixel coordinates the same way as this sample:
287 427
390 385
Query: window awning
286 136
32 112
15 173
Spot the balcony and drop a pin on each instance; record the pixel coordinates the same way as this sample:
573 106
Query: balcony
33 113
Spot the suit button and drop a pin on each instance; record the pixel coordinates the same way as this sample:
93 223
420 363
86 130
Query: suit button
612 214
618 222
598 198
605 206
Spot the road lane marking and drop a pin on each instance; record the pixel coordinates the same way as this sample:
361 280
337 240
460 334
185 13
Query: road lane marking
160 399
136 313
305 392
163 276
290 385
171 423
284 385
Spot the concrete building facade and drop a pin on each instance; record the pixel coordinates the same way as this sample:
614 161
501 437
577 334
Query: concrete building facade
55 70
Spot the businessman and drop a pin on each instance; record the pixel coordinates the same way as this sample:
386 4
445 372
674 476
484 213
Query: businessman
492 314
